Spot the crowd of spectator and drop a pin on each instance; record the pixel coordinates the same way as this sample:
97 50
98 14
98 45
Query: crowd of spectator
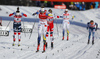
38 3
71 5
84 5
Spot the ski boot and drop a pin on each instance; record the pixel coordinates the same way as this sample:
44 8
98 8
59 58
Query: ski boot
13 44
44 48
43 51
63 38
18 44
51 45
37 51
88 42
67 38
92 42
38 48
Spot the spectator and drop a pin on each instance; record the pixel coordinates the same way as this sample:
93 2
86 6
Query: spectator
96 4
99 6
52 4
77 5
38 2
45 3
92 5
82 6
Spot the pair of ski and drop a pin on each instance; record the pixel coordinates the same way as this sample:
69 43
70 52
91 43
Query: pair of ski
92 43
89 42
38 51
15 44
42 51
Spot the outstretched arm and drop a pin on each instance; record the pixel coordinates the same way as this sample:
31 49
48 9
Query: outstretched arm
24 14
36 13
59 16
11 14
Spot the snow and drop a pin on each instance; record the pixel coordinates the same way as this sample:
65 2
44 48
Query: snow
75 48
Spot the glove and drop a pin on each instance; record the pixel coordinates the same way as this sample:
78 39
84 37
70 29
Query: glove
96 29
87 28
22 13
34 14
72 16
14 13
57 16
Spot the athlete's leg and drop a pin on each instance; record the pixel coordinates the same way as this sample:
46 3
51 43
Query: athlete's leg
51 34
47 34
14 36
19 32
15 32
89 35
44 35
19 36
51 31
93 32
39 35
68 30
64 28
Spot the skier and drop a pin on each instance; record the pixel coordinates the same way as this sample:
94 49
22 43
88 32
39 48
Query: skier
66 23
17 25
0 22
42 27
50 27
92 26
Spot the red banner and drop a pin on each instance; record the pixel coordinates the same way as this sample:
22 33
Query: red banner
70 0
60 6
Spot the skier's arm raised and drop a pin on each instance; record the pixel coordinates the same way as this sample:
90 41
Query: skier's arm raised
59 16
24 14
35 13
12 14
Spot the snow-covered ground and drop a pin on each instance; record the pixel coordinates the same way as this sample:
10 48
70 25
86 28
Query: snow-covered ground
75 48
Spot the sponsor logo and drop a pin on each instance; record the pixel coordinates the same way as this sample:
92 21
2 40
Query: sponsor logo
60 6
4 33
26 30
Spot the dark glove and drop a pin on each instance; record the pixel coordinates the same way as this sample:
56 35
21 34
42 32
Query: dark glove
87 28
33 14
96 29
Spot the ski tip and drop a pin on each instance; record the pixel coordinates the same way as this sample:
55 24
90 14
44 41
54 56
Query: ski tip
37 51
18 45
43 51
13 44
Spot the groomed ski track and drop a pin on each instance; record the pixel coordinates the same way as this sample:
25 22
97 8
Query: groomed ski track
75 48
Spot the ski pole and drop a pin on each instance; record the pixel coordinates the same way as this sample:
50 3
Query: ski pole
32 30
56 25
57 28
8 24
24 28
